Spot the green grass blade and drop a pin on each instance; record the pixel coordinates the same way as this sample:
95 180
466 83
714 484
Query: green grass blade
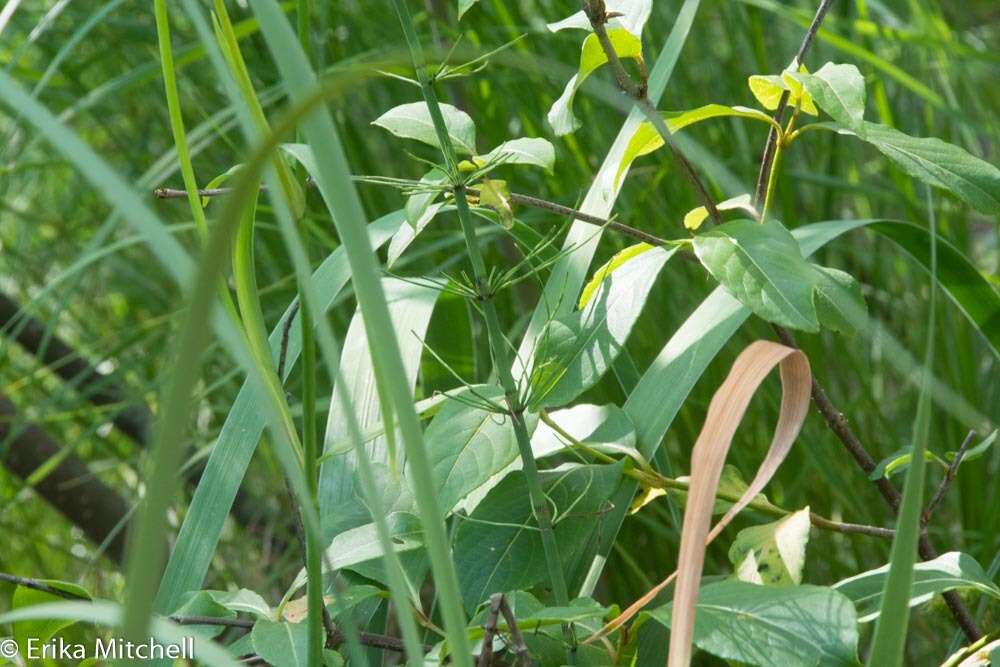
889 643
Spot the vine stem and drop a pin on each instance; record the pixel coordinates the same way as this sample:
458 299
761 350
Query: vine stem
649 477
496 338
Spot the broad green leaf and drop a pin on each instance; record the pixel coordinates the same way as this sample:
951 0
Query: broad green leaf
698 215
467 446
773 625
203 603
526 150
281 644
762 266
634 14
626 45
839 90
413 121
499 548
934 162
946 572
839 303
44 628
772 554
578 349
648 139
341 504
243 601
603 427
494 195
600 274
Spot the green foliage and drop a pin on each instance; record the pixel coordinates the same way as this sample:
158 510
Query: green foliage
763 625
520 453
946 572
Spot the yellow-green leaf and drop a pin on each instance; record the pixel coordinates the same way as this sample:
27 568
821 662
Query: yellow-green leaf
772 554
647 139
592 56
696 216
495 195
602 273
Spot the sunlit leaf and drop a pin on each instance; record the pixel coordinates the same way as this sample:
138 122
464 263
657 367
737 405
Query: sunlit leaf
772 553
648 139
698 215
839 90
413 121
634 14
773 625
946 572
626 45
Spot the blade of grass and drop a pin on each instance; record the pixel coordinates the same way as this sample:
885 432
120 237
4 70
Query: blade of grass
889 642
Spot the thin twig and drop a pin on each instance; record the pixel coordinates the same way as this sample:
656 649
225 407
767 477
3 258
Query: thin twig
838 424
517 645
37 585
598 16
770 149
946 481
490 631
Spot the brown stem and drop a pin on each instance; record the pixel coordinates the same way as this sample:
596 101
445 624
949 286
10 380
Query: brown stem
946 481
597 14
770 149
517 645
838 424
490 631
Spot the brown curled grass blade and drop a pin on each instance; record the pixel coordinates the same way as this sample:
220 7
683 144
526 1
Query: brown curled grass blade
725 413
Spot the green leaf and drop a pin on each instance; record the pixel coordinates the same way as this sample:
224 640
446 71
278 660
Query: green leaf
417 204
772 625
243 601
499 549
769 88
899 461
340 498
698 215
600 274
774 553
468 446
626 45
413 121
41 629
946 572
526 150
839 303
494 195
762 266
602 427
634 14
648 139
934 162
977 451
839 90
464 6
407 234
281 644
577 349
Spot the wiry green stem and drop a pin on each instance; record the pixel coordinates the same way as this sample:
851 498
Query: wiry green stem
497 342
